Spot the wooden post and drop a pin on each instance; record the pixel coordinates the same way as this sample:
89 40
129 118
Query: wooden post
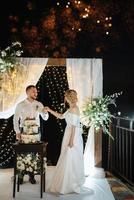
98 149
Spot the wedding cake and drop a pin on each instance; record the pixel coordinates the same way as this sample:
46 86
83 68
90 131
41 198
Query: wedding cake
30 132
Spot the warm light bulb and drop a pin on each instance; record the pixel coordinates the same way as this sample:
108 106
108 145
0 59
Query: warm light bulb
84 16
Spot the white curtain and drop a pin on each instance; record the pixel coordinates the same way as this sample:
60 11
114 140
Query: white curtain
14 84
79 74
85 76
97 77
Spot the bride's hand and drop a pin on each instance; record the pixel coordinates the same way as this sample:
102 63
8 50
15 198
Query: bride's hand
70 144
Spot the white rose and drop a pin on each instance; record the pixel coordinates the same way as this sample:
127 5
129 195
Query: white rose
3 53
35 163
30 169
27 169
18 53
22 166
29 159
19 158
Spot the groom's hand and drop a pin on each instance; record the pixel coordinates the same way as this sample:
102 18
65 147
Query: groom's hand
45 109
18 136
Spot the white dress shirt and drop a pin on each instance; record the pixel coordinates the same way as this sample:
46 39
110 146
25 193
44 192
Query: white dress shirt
27 109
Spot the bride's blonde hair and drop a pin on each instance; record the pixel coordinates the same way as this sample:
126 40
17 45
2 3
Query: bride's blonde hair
71 95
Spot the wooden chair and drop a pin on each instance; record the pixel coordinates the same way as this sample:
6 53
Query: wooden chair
20 148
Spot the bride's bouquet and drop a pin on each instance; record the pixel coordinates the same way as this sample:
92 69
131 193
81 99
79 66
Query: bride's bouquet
95 112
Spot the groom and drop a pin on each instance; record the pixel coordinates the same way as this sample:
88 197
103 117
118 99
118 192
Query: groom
29 108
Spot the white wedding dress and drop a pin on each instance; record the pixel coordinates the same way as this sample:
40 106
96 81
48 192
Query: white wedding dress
69 172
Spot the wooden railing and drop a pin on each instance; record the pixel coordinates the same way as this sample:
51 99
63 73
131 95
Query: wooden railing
121 150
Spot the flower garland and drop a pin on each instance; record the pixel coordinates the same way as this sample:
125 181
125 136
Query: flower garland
8 57
29 163
96 112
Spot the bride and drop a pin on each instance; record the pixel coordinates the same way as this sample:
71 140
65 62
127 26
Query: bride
69 172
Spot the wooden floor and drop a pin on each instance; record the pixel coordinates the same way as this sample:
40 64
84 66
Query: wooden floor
120 190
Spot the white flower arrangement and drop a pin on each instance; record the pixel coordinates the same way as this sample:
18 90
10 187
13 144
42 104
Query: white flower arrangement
95 112
8 57
29 163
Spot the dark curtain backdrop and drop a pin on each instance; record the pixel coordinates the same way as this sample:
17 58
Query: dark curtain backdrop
51 88
7 137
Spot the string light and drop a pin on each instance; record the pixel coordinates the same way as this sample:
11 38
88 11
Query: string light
83 11
73 13
85 16
55 79
6 150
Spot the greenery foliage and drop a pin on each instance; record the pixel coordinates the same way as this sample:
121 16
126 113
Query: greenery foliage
96 112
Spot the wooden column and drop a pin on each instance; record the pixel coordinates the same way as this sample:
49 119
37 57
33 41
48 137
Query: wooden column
56 62
98 149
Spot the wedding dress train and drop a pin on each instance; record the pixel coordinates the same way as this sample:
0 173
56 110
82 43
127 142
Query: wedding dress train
69 172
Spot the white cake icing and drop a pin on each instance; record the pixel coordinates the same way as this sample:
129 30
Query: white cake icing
30 131
30 126
30 138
